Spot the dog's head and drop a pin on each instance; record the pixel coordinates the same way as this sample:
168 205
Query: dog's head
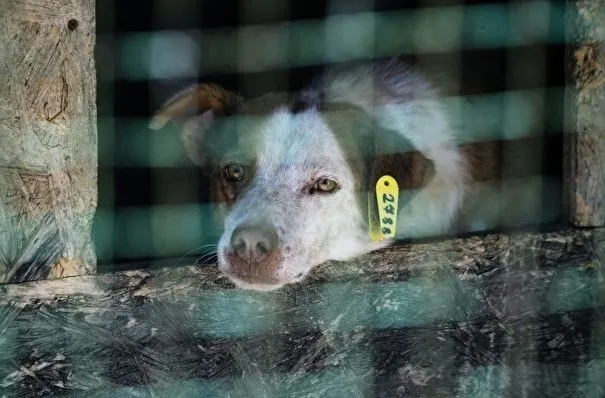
288 180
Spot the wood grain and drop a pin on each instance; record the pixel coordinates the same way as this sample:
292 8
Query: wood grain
466 257
48 161
459 310
584 165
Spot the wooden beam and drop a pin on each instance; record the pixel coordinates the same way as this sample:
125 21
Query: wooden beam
464 256
584 165
456 309
48 156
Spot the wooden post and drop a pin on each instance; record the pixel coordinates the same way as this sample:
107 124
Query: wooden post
48 138
585 141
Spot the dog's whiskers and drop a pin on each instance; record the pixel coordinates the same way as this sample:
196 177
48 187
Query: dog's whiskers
209 250
205 257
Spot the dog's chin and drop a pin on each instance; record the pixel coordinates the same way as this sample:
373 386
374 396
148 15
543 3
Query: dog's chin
259 287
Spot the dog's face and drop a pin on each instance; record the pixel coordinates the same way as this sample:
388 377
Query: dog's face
291 199
286 185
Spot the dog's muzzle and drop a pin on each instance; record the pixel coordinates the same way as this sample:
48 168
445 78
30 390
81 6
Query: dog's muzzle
253 254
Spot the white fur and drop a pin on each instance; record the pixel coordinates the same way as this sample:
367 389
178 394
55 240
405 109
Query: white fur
418 116
296 149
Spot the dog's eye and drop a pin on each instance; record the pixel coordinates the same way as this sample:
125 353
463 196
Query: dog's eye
234 172
326 185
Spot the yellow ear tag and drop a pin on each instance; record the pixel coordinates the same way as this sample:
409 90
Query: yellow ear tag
387 199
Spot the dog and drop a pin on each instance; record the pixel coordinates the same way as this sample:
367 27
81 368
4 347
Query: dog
293 176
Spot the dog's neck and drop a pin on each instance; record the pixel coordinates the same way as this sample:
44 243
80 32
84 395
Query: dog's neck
413 171
410 170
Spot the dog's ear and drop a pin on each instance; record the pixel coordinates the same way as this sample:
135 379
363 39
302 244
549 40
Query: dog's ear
197 107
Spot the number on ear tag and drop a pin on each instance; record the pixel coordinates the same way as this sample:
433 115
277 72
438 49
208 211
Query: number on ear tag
387 198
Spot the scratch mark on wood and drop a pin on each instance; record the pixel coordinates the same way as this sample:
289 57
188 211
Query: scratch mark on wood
63 96
38 10
590 60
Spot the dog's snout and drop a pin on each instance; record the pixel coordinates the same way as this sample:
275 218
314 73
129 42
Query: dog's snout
254 243
254 255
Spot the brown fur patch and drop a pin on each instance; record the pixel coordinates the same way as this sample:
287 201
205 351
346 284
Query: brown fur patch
499 160
194 101
484 160
411 169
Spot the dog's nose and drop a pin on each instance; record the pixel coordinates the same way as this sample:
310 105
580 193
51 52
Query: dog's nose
253 243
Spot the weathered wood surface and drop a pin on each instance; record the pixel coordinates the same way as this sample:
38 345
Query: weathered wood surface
517 314
585 141
48 138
